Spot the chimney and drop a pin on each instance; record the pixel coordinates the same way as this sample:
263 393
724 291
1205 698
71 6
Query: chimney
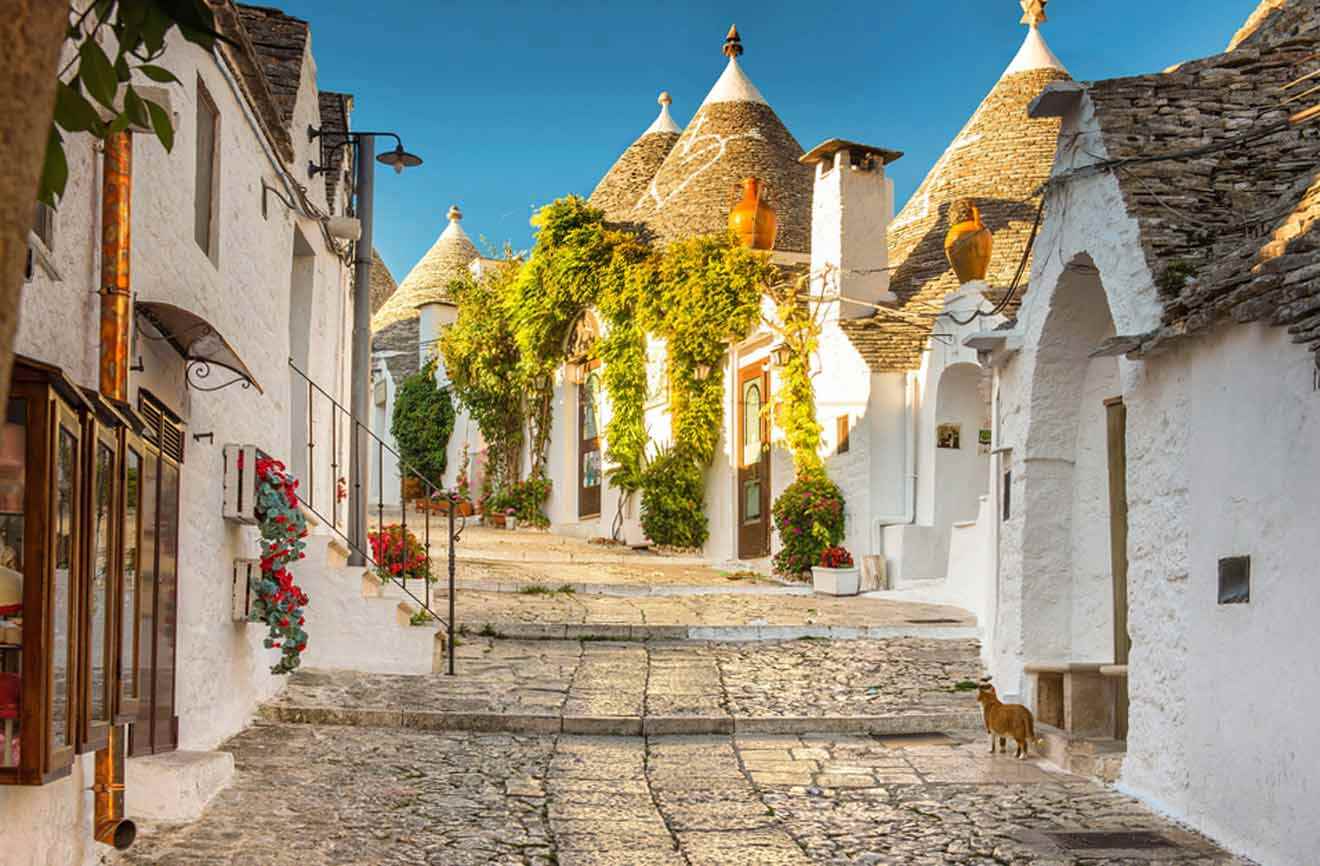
851 207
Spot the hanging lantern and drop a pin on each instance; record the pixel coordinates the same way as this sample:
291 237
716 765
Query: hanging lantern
752 219
781 355
968 243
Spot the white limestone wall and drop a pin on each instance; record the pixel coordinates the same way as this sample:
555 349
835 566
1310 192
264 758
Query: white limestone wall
222 670
843 388
382 464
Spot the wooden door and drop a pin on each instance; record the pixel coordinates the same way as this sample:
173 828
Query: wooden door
589 456
156 728
753 459
1116 415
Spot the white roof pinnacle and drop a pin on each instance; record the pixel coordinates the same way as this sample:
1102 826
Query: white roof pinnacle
1034 54
734 86
663 122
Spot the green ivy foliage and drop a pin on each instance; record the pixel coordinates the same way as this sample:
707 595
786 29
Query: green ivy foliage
707 295
137 30
422 424
481 357
809 516
799 326
673 499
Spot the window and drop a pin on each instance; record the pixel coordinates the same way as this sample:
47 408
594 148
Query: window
62 513
43 225
208 159
842 433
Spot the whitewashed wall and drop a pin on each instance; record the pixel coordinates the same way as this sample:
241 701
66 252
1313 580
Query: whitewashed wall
1223 446
222 671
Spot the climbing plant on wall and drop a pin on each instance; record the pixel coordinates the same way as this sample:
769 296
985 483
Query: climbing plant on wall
707 295
797 320
481 357
422 423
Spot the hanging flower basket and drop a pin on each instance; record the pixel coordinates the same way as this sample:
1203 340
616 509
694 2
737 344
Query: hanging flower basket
276 600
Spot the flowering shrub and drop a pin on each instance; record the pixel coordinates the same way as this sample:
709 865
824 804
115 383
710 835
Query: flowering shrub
809 518
399 555
278 600
836 557
522 499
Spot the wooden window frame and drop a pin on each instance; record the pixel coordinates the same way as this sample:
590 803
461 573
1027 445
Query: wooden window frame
93 733
128 704
206 104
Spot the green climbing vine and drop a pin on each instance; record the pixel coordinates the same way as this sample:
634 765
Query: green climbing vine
797 320
422 423
482 360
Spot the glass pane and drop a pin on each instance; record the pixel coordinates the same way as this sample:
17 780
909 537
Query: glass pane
591 469
752 501
128 611
13 459
166 606
751 423
590 397
66 474
101 595
146 596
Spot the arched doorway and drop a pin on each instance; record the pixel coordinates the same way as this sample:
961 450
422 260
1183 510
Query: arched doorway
580 350
962 460
1074 543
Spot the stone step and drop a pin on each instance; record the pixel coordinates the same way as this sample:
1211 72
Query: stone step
716 633
629 590
1099 758
626 726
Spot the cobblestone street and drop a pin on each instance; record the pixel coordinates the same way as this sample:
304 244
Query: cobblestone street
312 795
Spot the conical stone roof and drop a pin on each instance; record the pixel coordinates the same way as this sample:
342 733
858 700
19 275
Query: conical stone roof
429 280
626 181
999 159
735 134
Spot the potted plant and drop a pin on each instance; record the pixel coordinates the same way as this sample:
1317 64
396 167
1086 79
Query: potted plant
510 518
836 574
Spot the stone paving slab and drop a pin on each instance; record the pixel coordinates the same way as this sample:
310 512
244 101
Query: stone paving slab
590 687
332 796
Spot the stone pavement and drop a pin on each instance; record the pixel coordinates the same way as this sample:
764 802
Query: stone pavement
901 684
308 795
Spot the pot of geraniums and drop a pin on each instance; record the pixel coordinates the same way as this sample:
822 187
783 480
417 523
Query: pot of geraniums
836 574
511 518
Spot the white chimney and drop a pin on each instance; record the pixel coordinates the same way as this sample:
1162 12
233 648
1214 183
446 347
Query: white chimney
432 318
851 207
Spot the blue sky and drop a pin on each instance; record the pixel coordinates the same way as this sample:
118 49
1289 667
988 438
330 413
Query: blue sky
514 103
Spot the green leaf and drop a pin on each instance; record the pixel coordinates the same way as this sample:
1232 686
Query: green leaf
136 109
55 170
158 73
97 73
119 124
73 112
155 24
160 122
122 72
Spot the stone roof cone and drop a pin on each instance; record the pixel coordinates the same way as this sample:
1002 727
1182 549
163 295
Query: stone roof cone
999 159
735 134
626 181
428 281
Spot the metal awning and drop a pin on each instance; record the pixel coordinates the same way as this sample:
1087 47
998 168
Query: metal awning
197 341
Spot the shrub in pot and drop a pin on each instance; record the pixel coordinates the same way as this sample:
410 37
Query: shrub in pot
809 518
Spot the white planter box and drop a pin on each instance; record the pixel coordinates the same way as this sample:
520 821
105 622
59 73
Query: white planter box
240 500
244 570
836 581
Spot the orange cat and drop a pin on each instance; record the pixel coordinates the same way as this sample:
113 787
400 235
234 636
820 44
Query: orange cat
1006 720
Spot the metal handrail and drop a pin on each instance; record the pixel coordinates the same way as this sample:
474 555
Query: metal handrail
433 494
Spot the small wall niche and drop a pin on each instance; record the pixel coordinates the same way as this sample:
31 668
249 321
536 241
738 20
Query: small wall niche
1235 580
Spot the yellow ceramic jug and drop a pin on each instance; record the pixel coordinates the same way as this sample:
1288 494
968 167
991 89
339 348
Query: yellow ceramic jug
752 219
968 243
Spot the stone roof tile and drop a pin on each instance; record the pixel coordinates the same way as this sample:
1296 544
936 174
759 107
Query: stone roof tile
428 281
626 181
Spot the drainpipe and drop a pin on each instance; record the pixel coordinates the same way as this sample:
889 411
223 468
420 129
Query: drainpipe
111 827
909 481
116 301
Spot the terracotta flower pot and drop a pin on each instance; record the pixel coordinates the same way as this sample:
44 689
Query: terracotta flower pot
968 243
752 219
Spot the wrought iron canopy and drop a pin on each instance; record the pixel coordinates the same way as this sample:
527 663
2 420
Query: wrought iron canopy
198 342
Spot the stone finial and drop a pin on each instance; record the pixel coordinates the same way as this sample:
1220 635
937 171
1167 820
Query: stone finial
665 99
733 43
1033 12
454 213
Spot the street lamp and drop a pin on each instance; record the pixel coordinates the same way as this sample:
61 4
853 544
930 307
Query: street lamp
399 159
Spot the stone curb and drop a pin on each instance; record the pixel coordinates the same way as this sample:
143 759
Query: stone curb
627 590
621 726
717 633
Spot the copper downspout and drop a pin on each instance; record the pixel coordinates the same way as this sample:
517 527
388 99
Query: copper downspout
110 826
116 196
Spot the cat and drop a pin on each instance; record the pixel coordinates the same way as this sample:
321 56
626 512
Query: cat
1006 720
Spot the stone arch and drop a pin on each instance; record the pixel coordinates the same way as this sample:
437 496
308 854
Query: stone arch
1067 602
